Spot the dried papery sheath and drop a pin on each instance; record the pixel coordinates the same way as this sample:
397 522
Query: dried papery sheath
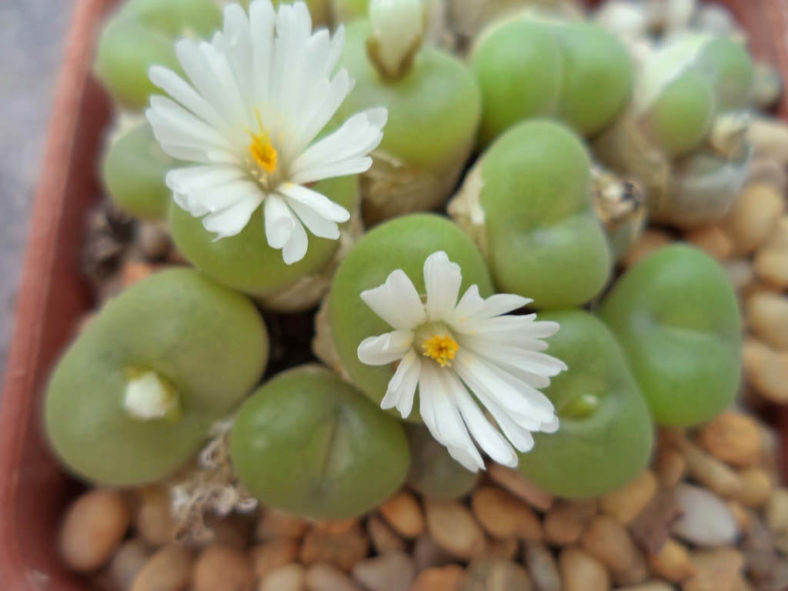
457 350
251 115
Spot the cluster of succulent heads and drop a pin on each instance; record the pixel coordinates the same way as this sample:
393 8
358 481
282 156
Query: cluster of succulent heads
269 143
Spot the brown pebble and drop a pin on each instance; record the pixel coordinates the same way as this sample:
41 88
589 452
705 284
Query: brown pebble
670 466
454 529
271 555
383 537
443 578
711 472
649 241
756 487
500 549
231 530
542 567
766 370
222 568
740 515
776 512
393 571
715 570
496 575
275 524
170 569
342 550
581 571
733 437
503 515
326 577
520 487
672 562
769 138
336 526
428 554
753 217
712 239
93 528
152 518
767 317
403 513
565 522
648 586
127 561
628 501
291 577
771 261
607 540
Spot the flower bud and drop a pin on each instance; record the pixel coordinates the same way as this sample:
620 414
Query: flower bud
397 27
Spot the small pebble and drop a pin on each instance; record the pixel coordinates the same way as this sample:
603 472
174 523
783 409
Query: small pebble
222 568
342 550
428 554
753 217
496 575
715 570
565 522
231 530
740 515
403 513
336 526
275 524
733 437
712 239
649 241
443 578
383 537
272 555
756 487
500 549
582 572
628 501
607 540
766 370
393 571
769 138
127 562
711 472
325 577
740 273
93 528
454 529
648 586
670 466
672 562
152 518
776 512
520 487
706 521
771 261
542 567
767 317
291 577
170 569
503 515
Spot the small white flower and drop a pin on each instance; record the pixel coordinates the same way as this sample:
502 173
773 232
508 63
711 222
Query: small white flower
458 353
397 26
257 97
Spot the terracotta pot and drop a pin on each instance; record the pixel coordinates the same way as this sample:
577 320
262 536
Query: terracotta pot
53 297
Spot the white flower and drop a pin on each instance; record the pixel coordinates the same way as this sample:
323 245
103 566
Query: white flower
397 26
458 353
257 97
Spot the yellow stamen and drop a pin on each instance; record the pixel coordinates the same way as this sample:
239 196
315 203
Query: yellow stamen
441 348
261 148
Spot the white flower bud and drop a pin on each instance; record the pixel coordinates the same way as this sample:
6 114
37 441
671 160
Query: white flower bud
148 397
397 28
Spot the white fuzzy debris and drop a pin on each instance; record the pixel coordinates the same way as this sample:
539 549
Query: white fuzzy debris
148 397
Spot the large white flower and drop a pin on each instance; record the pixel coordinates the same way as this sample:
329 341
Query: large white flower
257 97
461 353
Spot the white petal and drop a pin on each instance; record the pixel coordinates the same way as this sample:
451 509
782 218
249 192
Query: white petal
442 279
182 92
189 178
280 222
318 202
402 385
396 301
295 248
230 221
386 348
319 226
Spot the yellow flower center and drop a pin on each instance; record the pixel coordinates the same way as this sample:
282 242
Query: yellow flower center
262 150
441 348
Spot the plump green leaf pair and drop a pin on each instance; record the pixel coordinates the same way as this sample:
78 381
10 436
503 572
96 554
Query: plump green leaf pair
143 33
529 68
207 342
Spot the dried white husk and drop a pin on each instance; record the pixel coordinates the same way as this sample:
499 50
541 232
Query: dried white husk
307 292
620 205
391 188
466 210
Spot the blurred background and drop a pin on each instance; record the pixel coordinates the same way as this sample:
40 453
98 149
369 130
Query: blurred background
31 47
